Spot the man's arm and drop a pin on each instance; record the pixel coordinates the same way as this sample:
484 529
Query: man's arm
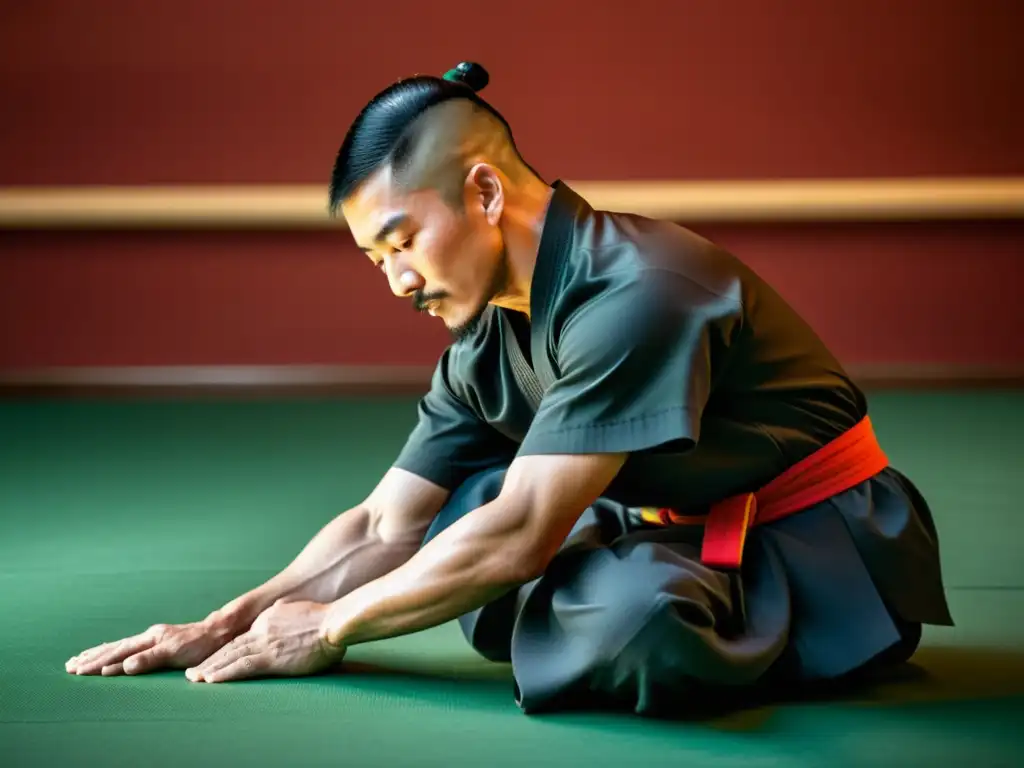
494 548
634 373
355 548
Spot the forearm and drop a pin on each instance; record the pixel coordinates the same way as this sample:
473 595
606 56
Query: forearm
464 568
497 547
345 554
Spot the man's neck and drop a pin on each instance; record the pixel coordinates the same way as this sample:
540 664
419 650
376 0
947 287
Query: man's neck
524 217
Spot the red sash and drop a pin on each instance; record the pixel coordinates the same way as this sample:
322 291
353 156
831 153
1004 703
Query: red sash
847 461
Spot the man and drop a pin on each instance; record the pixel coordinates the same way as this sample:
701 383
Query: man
637 475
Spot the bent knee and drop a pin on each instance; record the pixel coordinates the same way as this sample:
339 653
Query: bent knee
630 624
607 598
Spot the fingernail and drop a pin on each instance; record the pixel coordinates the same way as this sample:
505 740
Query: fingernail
130 666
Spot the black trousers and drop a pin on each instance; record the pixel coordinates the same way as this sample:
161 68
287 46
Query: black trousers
627 616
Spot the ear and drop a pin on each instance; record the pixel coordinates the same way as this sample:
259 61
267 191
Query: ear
485 187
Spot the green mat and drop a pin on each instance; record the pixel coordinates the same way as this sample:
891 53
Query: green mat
114 516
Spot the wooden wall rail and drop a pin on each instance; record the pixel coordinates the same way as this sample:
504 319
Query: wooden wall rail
304 206
340 380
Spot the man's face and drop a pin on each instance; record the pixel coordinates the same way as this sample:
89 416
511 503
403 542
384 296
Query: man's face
449 262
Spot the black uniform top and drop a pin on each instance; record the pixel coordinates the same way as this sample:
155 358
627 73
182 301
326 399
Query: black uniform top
645 339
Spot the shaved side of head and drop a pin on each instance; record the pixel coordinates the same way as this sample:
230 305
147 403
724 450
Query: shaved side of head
428 133
445 142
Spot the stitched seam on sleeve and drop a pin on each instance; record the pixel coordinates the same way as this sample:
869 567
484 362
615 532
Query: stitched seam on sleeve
614 423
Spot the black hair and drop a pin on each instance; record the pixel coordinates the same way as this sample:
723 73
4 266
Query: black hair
380 133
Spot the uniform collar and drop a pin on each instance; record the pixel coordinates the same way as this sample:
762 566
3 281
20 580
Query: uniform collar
556 241
564 212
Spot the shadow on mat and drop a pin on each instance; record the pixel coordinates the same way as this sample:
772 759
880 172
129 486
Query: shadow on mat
470 671
934 674
475 685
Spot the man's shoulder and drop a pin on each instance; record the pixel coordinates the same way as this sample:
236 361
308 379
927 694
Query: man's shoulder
631 266
630 244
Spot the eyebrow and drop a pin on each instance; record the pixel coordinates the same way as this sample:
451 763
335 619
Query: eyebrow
390 225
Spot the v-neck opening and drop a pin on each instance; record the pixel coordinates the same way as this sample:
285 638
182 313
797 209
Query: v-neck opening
522 370
522 332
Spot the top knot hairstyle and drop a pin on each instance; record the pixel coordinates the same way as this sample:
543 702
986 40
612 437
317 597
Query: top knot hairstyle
403 127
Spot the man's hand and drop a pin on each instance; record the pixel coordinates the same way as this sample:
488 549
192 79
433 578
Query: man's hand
283 641
162 646
355 548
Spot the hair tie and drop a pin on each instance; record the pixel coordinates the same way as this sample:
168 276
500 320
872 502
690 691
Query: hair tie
468 73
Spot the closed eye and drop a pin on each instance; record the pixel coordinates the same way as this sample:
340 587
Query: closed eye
403 246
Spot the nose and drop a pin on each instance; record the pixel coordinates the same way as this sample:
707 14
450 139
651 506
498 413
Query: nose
403 280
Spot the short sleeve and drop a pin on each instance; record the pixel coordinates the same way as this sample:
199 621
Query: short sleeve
450 442
634 369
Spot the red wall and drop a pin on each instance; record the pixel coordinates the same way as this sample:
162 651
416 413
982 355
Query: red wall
261 92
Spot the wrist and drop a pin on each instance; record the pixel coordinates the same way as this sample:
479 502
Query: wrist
234 618
240 613
333 628
223 625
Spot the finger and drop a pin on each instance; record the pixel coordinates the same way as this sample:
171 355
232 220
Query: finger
116 653
221 659
100 651
126 645
150 659
239 669
105 654
88 654
243 645
112 670
229 650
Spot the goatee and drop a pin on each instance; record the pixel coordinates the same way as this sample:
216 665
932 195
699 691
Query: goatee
499 283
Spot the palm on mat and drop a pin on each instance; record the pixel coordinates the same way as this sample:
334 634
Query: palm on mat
120 516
